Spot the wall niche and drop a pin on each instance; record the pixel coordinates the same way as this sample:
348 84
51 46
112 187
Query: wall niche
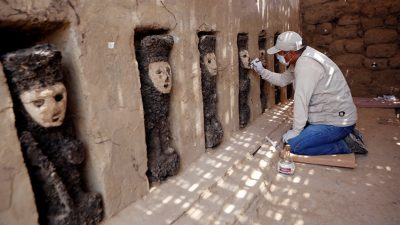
262 43
52 154
152 54
244 79
213 131
277 69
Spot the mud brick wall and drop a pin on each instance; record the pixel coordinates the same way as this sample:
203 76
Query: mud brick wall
362 37
102 78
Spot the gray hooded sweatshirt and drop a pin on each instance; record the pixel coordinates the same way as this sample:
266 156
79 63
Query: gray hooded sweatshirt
321 95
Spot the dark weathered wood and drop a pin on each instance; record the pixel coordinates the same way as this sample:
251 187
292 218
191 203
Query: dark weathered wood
262 43
213 131
162 160
53 155
244 82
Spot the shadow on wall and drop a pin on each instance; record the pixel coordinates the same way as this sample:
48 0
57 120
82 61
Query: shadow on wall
13 39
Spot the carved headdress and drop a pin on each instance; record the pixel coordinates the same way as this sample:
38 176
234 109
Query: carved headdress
207 43
262 40
155 48
34 67
242 41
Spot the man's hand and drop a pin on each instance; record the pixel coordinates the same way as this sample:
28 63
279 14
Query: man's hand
289 135
257 66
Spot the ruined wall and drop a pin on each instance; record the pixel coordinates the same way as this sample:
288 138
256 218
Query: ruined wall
362 37
96 39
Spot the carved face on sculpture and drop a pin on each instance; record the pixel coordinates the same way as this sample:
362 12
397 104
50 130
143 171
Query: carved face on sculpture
160 75
263 57
262 53
46 105
211 63
244 58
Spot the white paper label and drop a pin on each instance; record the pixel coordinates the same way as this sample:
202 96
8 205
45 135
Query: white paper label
110 45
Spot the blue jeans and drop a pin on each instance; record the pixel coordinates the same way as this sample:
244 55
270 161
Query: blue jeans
318 139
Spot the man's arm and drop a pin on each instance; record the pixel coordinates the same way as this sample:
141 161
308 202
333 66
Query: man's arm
278 79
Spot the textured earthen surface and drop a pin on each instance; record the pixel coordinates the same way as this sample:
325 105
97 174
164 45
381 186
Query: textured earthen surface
28 14
357 34
364 195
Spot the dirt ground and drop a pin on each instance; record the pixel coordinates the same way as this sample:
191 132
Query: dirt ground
368 194
239 185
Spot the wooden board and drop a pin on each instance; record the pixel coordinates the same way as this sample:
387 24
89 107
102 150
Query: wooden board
373 103
341 160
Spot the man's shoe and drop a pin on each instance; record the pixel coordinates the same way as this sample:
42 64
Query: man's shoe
355 142
358 135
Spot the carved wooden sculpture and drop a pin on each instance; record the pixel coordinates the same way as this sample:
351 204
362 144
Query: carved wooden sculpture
155 75
244 80
208 64
277 69
262 39
52 154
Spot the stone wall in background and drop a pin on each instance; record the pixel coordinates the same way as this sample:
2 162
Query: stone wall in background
362 37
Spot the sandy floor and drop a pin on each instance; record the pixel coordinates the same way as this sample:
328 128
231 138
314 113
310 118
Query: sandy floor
369 194
239 185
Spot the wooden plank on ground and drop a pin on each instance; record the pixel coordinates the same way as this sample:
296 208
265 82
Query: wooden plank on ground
374 103
340 160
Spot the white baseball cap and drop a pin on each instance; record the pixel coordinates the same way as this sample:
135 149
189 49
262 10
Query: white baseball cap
287 41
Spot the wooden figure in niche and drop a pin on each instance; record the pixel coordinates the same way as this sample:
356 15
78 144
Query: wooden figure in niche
156 80
244 80
208 64
53 155
262 56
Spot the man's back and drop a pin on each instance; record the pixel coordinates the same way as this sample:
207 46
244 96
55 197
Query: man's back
331 102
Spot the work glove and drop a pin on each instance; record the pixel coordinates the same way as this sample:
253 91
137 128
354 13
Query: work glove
257 66
289 135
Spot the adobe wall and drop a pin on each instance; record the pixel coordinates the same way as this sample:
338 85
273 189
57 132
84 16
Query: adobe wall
17 204
96 39
362 37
